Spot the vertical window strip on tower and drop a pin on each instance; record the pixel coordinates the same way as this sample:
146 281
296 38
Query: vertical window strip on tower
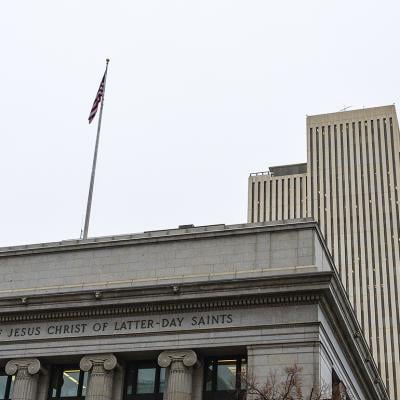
317 213
330 173
357 151
301 196
282 199
346 205
394 227
369 240
377 260
370 261
289 199
388 242
345 263
270 199
323 186
379 206
295 196
305 194
258 200
334 191
394 242
339 225
365 204
265 200
276 199
252 201
395 190
312 173
351 265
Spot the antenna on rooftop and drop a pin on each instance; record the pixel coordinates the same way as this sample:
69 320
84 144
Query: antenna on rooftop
345 108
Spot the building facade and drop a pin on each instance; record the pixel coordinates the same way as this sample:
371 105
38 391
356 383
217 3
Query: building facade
194 313
351 183
278 194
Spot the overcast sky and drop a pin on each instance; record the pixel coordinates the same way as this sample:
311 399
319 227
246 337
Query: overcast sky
199 94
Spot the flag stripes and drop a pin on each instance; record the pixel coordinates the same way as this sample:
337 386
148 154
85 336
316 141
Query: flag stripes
97 100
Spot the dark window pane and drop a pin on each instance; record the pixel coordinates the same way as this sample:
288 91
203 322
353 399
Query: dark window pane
146 378
223 378
3 385
129 389
209 377
66 383
162 380
226 375
70 384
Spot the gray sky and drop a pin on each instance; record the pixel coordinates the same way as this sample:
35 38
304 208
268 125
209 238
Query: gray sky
199 94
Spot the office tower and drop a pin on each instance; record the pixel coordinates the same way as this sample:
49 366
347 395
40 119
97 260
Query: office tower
351 185
278 194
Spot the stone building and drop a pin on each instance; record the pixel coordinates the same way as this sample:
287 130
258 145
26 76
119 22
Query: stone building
179 314
350 185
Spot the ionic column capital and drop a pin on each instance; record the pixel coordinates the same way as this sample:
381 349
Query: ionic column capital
180 364
107 362
101 375
31 365
26 372
187 357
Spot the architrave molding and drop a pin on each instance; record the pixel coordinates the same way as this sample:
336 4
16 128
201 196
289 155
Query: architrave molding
171 307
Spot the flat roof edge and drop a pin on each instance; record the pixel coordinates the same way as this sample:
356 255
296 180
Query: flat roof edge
157 236
351 114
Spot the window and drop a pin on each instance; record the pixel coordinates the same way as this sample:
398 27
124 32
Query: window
67 382
223 378
144 381
6 383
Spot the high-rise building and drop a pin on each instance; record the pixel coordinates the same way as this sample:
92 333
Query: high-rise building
350 186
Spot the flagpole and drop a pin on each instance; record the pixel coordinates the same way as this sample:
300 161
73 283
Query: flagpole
90 196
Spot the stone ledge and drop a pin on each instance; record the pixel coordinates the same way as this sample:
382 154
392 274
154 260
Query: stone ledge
206 305
166 296
211 231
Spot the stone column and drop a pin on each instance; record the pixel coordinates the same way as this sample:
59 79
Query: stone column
180 376
26 371
100 382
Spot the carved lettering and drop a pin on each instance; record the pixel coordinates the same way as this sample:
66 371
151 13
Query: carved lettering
212 319
114 325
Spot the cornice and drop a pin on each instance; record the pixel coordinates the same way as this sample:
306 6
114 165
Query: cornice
342 316
169 307
158 295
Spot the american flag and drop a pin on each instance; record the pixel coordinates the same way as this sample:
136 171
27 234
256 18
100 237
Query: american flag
97 100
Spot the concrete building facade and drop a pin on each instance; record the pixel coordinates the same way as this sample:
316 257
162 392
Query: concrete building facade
179 315
351 184
278 194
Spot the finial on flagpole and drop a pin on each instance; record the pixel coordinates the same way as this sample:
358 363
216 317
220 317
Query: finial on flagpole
107 60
